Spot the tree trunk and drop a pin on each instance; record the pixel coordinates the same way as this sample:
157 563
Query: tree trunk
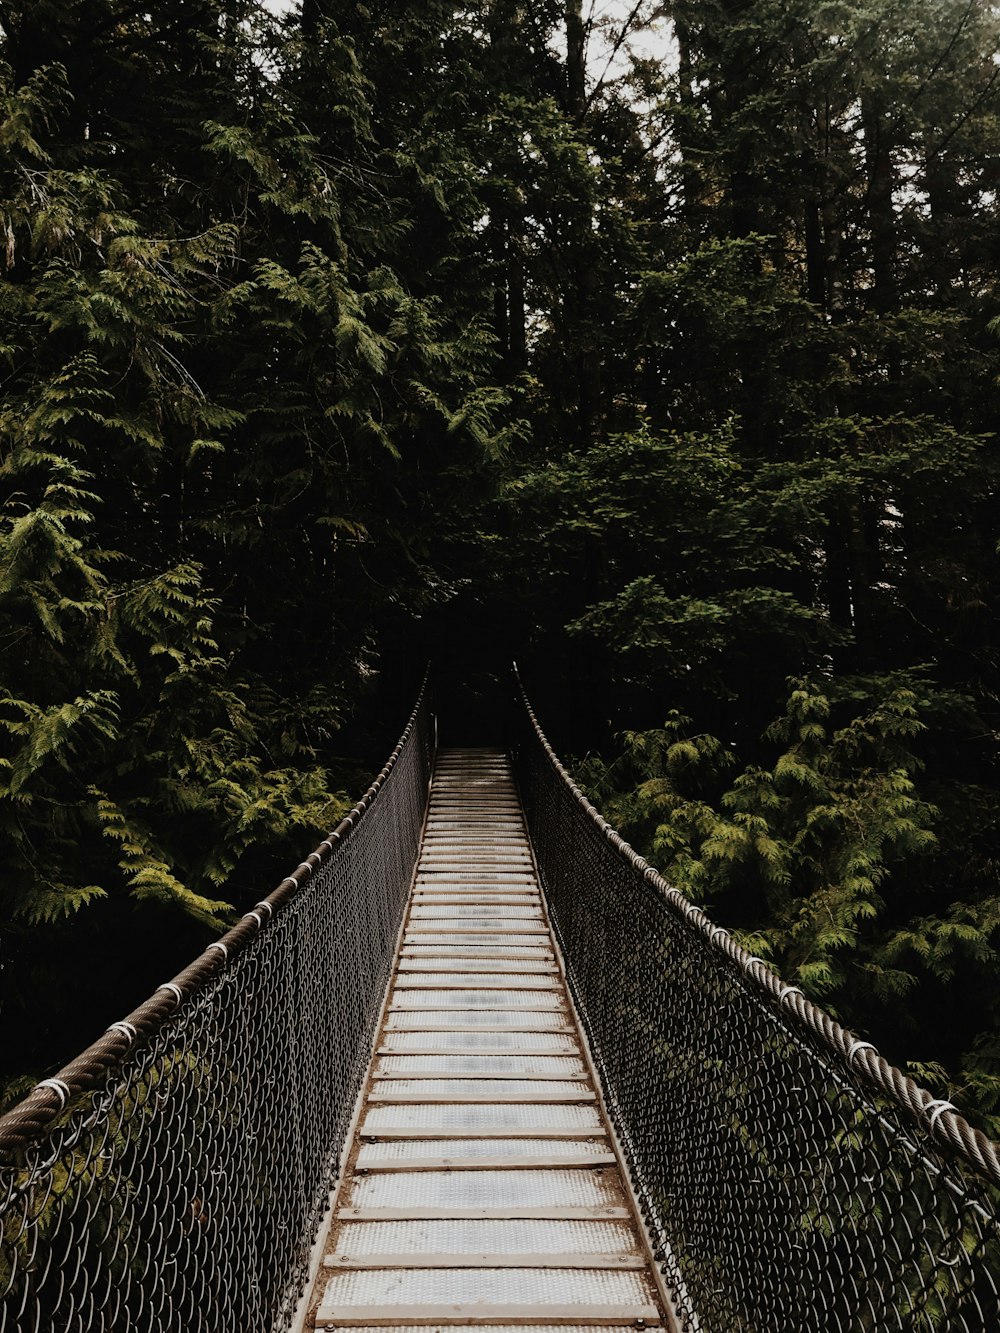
582 302
881 213
692 187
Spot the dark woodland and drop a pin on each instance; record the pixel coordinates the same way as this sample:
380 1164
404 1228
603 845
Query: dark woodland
659 351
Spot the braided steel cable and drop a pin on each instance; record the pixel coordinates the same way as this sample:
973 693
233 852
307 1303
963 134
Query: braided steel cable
173 1174
891 1198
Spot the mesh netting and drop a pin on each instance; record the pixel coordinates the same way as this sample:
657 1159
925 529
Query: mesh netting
790 1178
174 1176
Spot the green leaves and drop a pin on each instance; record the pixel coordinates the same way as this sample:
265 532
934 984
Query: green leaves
55 733
238 393
147 877
798 849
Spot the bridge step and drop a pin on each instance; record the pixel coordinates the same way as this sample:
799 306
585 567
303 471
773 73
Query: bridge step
417 1153
477 1121
484 1293
481 1043
483 1187
478 1066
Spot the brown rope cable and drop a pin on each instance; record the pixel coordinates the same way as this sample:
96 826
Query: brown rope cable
942 1123
30 1118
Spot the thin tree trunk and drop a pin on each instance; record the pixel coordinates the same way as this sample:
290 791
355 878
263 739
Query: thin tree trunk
881 213
583 299
691 178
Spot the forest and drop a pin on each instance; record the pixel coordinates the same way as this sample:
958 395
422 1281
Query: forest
656 345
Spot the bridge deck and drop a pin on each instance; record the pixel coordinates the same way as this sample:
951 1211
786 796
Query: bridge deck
482 1186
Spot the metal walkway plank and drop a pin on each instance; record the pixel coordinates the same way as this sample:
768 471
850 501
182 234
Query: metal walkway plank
483 1187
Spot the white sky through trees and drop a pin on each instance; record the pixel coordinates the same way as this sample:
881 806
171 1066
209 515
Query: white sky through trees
616 28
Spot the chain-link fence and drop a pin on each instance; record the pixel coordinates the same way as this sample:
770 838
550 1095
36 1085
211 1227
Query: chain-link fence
173 1177
792 1180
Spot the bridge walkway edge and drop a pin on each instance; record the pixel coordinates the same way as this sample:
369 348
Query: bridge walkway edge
483 1185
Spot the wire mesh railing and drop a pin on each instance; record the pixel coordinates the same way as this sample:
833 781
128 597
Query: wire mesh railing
790 1178
173 1176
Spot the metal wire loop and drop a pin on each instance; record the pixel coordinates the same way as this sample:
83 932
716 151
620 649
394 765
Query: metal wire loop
937 1109
56 1085
126 1029
856 1047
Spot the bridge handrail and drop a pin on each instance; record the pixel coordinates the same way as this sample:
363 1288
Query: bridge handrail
723 1079
943 1121
174 1173
45 1103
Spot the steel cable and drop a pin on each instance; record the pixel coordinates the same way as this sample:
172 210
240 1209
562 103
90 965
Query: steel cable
792 1179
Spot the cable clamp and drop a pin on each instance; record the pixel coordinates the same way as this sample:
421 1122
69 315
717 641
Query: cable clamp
266 907
937 1109
126 1029
289 880
857 1046
57 1085
788 990
222 948
173 989
254 916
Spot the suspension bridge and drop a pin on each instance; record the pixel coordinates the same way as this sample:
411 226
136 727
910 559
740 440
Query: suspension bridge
474 1063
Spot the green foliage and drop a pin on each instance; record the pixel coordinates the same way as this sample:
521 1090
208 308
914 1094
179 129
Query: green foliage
333 340
813 849
223 396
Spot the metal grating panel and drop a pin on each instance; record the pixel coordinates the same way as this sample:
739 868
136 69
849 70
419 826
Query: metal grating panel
573 1187
553 1066
478 1041
539 981
476 999
501 878
488 965
448 954
477 898
445 841
433 877
459 930
478 1089
511 910
484 1236
464 1150
488 1119
531 1020
424 939
481 1288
